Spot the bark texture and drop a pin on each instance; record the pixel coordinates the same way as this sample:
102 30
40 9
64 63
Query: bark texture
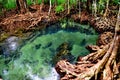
21 6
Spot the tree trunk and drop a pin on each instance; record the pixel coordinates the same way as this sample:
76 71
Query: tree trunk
79 8
89 3
42 3
55 4
50 8
21 6
36 1
106 10
68 7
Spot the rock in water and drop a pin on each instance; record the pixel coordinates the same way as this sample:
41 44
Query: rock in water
10 45
63 53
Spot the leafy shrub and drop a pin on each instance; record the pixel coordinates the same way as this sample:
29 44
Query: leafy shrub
61 2
9 4
59 9
116 2
29 2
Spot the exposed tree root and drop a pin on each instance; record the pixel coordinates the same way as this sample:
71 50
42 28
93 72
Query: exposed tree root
27 21
102 64
87 67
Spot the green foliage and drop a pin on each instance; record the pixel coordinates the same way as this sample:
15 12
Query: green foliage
59 9
73 2
29 2
83 0
9 4
61 5
59 2
101 6
102 3
39 1
53 1
116 2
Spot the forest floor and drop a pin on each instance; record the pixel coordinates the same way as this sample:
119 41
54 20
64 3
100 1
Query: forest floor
13 23
100 61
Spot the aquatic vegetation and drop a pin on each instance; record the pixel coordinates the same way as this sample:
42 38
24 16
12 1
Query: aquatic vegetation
36 55
63 53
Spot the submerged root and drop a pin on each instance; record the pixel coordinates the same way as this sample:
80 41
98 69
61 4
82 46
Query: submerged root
102 62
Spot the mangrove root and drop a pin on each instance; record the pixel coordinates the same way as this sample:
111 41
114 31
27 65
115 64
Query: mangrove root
101 64
89 66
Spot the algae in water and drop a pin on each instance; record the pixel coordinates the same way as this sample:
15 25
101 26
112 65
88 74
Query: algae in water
36 55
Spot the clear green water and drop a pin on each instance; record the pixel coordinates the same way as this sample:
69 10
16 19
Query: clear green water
36 55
